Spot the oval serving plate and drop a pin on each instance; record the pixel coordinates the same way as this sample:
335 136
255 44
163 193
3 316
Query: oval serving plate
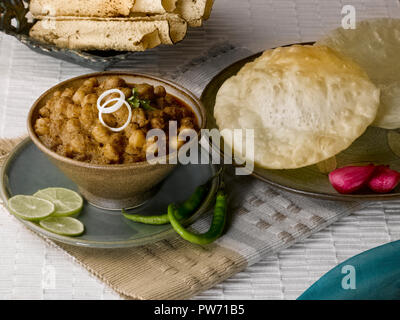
27 170
377 145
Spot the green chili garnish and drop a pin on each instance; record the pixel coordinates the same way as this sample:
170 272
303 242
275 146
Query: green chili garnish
183 211
217 225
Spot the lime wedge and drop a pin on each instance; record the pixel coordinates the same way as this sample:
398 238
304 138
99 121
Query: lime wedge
65 226
30 208
67 202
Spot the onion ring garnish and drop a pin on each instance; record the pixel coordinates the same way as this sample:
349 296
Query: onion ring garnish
119 101
125 124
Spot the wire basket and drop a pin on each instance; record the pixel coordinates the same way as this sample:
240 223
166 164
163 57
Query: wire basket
15 20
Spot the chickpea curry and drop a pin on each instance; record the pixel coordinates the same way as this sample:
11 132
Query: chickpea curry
69 122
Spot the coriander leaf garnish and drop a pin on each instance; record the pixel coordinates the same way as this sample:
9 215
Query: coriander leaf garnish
136 102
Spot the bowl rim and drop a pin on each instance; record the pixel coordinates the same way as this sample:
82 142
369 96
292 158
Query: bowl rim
141 164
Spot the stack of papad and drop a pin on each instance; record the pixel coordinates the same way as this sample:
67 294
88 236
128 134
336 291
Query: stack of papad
124 25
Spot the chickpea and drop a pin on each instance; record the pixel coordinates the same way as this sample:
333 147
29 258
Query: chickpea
110 120
160 91
156 113
157 123
90 98
56 126
91 82
73 125
139 117
116 140
101 134
110 153
173 112
60 105
57 94
121 115
79 96
88 115
127 91
68 92
73 111
145 91
137 139
44 112
78 144
42 126
187 123
130 128
109 97
169 98
187 126
129 150
113 82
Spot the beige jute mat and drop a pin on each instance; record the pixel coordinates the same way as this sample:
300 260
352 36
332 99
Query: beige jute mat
168 269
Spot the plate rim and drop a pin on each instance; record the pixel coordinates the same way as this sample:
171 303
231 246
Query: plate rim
75 241
317 195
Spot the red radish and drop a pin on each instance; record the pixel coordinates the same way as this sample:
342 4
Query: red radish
384 180
350 179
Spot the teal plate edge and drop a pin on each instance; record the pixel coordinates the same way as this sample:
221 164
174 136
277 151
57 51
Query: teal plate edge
371 275
87 243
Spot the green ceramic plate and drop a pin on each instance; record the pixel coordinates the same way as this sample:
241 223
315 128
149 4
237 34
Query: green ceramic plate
376 145
377 277
28 170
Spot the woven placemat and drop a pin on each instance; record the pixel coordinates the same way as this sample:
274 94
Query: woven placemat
263 221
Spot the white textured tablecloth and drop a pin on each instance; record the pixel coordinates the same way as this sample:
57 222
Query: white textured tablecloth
29 268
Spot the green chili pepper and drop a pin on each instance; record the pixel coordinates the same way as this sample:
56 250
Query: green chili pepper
183 211
155 220
217 224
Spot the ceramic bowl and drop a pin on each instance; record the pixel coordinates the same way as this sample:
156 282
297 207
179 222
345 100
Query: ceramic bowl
121 185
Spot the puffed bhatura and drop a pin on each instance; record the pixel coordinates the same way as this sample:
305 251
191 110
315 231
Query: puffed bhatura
305 103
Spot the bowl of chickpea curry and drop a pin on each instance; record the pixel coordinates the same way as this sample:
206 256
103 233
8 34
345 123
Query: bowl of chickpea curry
96 127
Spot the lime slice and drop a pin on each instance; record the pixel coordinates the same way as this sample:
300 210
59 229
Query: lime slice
65 226
67 202
30 208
